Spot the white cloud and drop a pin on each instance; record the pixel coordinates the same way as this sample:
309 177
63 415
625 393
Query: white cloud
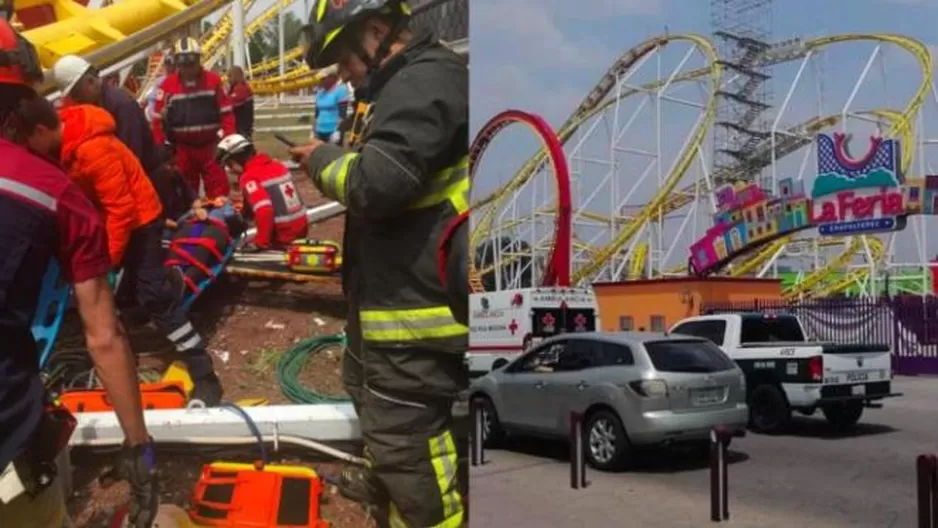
535 54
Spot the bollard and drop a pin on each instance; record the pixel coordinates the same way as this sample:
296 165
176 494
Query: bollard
477 433
577 452
927 477
719 478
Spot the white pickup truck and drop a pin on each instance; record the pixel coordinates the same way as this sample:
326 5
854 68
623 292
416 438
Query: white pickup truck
785 372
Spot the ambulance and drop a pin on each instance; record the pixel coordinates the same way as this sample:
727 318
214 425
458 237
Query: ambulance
504 324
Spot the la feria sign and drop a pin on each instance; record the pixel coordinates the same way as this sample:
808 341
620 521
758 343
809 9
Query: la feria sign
857 195
850 195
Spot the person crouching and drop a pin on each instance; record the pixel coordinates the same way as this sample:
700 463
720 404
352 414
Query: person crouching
269 193
112 177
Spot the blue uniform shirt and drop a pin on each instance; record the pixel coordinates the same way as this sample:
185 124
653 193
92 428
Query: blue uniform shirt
327 104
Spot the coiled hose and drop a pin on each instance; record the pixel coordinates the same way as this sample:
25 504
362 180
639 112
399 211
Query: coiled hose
292 362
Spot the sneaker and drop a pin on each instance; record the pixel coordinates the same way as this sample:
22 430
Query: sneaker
208 390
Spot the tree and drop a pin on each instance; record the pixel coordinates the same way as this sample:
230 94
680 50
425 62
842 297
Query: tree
265 43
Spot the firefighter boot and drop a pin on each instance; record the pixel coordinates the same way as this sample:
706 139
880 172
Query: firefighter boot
207 389
358 484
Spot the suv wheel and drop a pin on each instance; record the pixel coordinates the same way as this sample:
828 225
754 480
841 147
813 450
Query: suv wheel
493 436
605 441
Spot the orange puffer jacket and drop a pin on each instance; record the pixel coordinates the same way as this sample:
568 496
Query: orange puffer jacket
109 173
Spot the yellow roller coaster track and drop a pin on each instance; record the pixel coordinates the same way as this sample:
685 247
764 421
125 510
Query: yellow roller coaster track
114 33
215 39
256 24
590 107
274 62
91 30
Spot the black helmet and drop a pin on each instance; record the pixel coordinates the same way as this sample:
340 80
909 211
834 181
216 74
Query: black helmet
328 18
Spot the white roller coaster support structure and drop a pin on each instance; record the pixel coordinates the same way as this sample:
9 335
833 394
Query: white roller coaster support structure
237 43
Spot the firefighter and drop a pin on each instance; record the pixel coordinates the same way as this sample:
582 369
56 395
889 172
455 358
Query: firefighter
269 193
192 111
43 216
242 101
403 179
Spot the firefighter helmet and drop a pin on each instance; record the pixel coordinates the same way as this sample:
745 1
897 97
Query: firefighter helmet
231 145
19 62
328 19
187 51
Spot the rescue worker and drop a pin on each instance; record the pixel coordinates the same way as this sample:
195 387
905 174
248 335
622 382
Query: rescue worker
80 83
113 178
242 101
403 180
44 216
192 113
269 193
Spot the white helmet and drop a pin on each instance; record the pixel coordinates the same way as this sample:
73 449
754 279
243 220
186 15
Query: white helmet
68 70
230 145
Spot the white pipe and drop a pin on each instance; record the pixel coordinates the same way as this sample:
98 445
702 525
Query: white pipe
236 41
313 215
335 422
236 441
284 128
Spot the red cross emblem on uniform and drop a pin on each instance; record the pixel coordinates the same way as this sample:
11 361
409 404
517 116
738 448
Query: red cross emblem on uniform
288 190
580 322
513 326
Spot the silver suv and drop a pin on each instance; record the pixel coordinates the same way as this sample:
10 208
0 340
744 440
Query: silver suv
633 388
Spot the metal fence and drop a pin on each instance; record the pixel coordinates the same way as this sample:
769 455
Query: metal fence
908 324
448 19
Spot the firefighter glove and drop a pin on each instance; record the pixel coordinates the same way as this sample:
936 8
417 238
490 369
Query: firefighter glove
138 468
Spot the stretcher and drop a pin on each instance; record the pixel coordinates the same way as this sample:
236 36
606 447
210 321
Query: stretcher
53 300
218 268
303 261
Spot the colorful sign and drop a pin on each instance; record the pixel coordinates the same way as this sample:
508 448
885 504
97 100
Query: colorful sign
850 196
857 195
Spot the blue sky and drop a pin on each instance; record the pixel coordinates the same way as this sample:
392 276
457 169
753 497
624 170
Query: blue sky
521 47
543 56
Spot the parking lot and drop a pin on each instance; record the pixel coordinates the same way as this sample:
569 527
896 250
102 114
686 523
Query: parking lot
807 477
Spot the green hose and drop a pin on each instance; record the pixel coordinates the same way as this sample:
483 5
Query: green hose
292 362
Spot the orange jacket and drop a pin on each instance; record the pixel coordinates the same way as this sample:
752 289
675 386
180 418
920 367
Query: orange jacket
109 173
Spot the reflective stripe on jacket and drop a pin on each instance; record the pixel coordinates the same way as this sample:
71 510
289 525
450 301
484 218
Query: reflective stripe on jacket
192 114
273 198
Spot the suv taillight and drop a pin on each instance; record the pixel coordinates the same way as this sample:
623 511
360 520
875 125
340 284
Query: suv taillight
816 368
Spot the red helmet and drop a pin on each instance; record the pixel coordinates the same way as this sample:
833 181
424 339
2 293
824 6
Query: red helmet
19 63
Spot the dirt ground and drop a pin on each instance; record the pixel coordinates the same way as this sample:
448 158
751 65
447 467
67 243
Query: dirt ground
248 324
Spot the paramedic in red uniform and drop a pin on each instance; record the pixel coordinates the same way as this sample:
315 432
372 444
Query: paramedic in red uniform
192 113
269 193
44 216
242 100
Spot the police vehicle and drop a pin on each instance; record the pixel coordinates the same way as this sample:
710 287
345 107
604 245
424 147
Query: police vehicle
785 372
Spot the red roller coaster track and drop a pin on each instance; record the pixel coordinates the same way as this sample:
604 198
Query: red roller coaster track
558 267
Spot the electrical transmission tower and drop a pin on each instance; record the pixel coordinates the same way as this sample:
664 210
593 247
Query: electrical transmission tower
743 31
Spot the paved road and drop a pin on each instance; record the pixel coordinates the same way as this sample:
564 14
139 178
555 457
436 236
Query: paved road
805 478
